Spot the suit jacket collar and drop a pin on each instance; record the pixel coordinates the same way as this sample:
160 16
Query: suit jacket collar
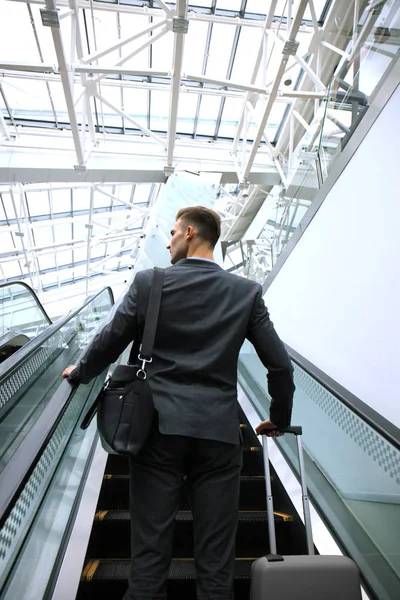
202 264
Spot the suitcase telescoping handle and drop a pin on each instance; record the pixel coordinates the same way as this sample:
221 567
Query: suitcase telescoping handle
297 431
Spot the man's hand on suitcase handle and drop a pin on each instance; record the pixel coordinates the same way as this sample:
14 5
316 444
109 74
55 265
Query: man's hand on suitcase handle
269 429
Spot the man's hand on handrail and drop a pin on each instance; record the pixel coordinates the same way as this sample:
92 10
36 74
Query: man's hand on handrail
67 371
269 429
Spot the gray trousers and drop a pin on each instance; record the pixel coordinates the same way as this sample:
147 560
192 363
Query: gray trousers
212 471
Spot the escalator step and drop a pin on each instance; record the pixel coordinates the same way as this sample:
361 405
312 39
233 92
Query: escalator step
114 494
111 534
183 568
252 462
108 580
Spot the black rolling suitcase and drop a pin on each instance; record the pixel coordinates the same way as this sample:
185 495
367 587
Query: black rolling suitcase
306 577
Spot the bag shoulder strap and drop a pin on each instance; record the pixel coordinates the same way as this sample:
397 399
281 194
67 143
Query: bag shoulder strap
150 325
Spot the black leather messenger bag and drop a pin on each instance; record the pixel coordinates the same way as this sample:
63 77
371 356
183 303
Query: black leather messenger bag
125 408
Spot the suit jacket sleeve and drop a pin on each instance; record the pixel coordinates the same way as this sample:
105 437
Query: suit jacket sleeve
111 341
273 355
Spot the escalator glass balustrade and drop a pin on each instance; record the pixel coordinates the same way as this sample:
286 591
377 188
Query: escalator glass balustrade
353 471
34 524
29 382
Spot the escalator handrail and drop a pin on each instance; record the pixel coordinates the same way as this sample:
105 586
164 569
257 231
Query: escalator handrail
21 464
17 470
375 420
32 293
15 360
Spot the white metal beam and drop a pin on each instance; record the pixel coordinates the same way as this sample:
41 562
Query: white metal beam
96 55
146 44
285 57
4 129
131 120
99 5
179 41
67 84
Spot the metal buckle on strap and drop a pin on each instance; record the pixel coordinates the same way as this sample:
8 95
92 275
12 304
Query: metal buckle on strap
141 373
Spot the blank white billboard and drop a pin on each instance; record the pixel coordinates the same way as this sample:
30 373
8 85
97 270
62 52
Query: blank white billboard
336 299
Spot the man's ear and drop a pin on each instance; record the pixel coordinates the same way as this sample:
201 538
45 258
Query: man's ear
190 232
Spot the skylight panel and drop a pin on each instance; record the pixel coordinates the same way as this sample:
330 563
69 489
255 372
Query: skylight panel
46 261
142 192
162 52
8 206
220 50
81 197
64 257
98 251
208 115
12 269
113 96
257 6
136 105
80 254
201 3
246 54
43 236
195 46
11 48
124 192
38 203
159 110
6 242
62 232
230 116
186 112
28 98
229 4
2 213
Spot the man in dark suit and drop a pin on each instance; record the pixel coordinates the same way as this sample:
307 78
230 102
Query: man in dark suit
206 314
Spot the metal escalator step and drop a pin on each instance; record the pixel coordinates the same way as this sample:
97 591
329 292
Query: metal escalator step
186 515
181 568
252 462
110 536
115 493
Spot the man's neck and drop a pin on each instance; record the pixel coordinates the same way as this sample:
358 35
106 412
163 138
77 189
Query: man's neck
201 253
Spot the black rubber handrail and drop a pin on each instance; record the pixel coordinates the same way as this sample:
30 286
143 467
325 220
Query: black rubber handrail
23 461
375 420
16 359
32 293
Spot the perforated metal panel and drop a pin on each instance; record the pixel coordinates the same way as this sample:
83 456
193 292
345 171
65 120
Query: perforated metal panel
25 508
374 445
15 382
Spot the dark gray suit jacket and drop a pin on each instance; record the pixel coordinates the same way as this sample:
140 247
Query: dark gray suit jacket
206 313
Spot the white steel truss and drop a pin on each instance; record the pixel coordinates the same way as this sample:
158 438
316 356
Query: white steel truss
293 102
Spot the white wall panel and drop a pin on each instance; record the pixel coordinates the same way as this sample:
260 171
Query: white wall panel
336 299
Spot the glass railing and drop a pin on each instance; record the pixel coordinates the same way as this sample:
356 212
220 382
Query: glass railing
32 532
353 471
21 311
29 378
52 462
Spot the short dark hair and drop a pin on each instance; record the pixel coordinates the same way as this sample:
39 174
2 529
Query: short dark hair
206 221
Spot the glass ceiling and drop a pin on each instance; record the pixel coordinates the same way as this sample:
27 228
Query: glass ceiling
233 95
216 50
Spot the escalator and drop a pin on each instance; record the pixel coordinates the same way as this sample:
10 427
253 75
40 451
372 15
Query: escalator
30 375
22 317
38 414
352 463
106 565
10 343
